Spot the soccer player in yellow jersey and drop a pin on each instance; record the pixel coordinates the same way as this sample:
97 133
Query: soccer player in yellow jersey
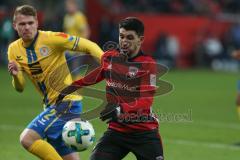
38 54
75 22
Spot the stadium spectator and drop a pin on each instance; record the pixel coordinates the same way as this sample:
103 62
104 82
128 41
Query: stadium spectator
6 36
40 55
213 48
167 49
129 73
75 23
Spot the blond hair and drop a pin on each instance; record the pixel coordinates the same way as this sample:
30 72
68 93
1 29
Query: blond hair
25 10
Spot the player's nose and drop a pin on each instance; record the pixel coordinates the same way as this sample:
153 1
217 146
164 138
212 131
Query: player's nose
27 26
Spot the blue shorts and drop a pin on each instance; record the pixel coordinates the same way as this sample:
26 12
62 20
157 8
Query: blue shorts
50 122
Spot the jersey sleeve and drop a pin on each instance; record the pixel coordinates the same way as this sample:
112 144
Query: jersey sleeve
73 43
90 79
93 77
18 81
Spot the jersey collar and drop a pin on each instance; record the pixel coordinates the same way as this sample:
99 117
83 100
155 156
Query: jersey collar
140 53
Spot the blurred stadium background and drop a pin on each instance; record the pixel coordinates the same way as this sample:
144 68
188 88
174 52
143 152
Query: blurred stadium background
194 38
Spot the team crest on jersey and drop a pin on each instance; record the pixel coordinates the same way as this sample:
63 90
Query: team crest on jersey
44 51
132 71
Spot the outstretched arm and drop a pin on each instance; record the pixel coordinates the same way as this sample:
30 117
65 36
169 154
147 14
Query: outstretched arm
87 46
92 78
73 43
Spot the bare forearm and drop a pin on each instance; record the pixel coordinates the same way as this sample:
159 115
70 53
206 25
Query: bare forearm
18 82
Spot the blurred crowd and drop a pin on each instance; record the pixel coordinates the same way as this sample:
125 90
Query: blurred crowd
199 7
209 50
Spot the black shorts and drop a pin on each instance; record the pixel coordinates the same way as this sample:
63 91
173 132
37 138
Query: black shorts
115 145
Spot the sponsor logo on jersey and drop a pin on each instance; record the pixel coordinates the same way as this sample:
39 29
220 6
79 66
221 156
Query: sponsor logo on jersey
121 86
19 58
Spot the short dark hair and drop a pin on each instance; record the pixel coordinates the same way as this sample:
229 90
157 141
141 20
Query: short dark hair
132 23
25 10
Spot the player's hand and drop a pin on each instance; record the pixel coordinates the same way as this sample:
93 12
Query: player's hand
110 113
13 68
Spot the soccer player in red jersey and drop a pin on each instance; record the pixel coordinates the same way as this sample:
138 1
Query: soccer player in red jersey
130 86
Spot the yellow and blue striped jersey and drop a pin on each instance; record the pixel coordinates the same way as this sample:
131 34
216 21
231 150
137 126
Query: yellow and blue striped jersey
44 62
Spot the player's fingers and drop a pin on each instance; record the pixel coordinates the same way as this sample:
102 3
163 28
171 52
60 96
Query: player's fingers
10 65
10 68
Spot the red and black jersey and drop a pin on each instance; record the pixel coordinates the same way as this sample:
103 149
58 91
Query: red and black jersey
131 84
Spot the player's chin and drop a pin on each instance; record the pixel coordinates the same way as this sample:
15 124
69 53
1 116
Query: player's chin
27 38
125 50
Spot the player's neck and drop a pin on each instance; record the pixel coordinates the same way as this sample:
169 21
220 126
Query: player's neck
27 43
134 54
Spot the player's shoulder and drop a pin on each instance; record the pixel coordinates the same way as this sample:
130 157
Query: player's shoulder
79 14
52 34
14 44
145 58
54 38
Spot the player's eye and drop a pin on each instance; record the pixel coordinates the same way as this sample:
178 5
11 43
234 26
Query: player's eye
130 37
30 23
22 24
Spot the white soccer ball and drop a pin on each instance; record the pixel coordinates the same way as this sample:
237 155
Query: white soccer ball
78 135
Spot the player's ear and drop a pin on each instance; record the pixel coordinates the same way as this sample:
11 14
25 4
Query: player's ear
14 25
36 22
141 39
